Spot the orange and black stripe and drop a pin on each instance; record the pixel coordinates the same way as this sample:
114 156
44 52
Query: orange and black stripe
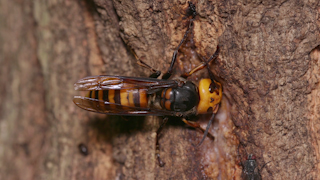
124 97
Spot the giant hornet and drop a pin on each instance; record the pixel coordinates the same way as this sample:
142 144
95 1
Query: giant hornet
120 95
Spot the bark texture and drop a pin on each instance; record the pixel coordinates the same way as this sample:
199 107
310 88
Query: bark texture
268 66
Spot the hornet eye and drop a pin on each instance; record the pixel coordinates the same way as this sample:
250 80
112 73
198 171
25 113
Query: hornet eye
212 87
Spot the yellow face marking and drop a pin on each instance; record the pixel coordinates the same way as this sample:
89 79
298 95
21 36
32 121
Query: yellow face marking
208 99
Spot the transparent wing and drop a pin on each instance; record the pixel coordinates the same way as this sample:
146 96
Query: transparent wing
105 82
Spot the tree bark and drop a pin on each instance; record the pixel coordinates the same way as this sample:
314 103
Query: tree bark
268 65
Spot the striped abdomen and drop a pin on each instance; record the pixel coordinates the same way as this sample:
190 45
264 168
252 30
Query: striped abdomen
124 97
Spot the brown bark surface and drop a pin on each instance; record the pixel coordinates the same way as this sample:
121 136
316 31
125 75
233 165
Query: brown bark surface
268 65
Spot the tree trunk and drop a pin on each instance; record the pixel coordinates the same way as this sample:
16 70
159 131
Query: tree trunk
268 65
